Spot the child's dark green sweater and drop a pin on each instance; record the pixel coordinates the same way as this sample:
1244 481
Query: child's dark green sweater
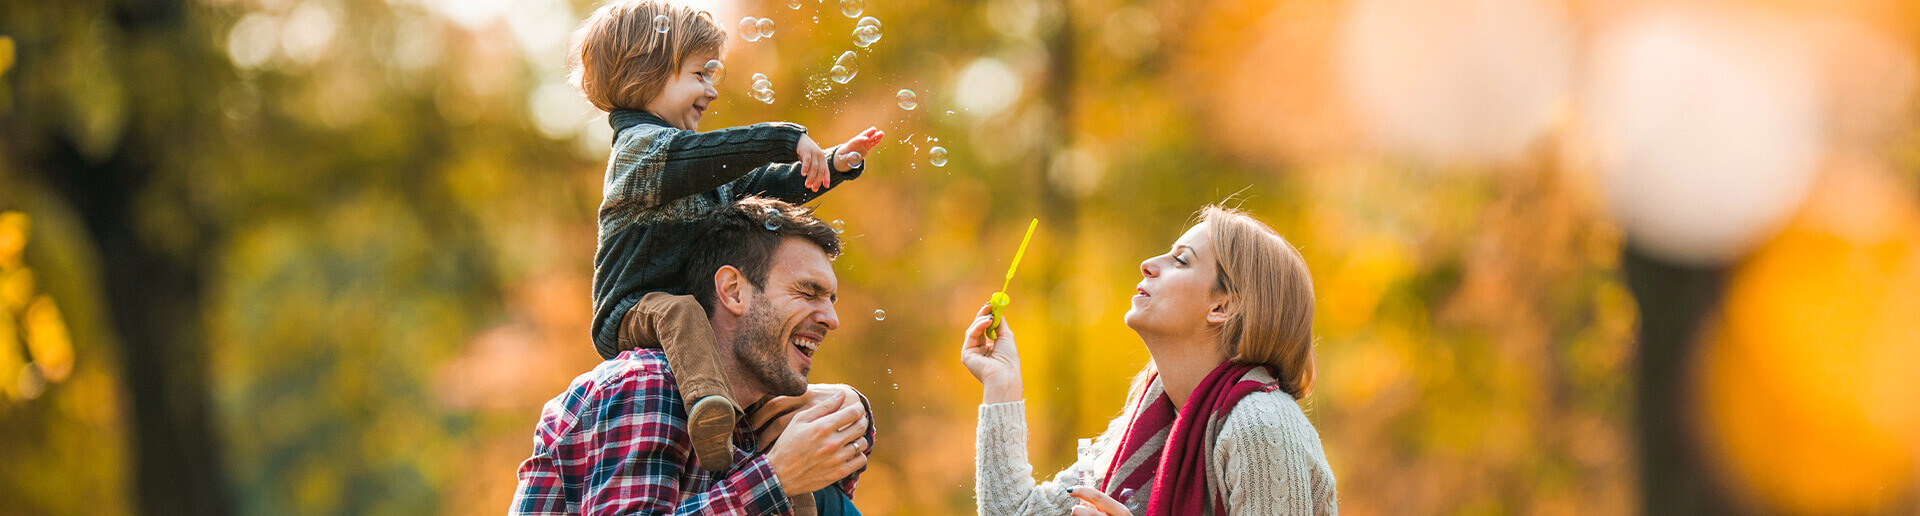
658 178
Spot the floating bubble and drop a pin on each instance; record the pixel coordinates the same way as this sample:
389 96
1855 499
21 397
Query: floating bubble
766 27
852 8
839 226
660 23
715 71
863 36
908 100
793 4
845 67
762 84
854 159
773 219
763 95
866 31
937 156
879 315
750 29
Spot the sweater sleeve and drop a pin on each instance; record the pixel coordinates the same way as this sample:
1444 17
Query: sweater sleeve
1272 463
784 181
668 164
1003 479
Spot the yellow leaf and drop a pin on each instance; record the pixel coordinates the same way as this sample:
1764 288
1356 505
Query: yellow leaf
16 289
13 238
48 340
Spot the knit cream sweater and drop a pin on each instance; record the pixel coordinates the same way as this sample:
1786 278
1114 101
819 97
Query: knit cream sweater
1268 460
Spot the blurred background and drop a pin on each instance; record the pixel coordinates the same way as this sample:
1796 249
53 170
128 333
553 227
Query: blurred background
1572 257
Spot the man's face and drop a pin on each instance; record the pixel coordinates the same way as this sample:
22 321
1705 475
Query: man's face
788 319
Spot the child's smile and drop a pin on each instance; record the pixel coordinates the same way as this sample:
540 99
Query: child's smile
683 99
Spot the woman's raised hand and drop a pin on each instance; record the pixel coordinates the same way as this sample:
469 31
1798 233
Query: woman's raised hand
995 363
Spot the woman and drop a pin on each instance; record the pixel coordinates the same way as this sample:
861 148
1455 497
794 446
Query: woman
1212 424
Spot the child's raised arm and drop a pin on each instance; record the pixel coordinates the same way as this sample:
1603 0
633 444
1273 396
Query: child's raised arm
792 183
695 162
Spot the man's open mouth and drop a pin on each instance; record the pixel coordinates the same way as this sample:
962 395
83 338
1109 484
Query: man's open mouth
806 345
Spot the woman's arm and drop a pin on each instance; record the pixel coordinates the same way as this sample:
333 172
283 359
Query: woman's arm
1003 479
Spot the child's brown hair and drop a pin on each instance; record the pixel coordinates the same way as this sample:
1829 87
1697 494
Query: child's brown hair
619 61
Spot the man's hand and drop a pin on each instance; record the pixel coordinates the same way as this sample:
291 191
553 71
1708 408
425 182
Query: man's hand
772 417
823 443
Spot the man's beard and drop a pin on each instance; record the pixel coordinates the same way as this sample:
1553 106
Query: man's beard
763 357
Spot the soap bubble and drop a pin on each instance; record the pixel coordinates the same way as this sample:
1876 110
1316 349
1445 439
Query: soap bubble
908 100
839 226
766 27
762 85
773 219
866 31
852 8
660 23
793 4
757 77
763 95
715 71
854 159
937 156
750 29
879 315
845 67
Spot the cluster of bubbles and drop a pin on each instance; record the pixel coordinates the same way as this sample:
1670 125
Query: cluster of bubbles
937 156
853 8
908 100
660 23
715 71
754 29
844 68
866 31
762 88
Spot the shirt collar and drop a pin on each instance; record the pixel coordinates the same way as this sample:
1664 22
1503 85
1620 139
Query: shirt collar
625 118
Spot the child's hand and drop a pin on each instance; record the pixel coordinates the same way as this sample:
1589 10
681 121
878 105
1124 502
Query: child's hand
862 143
813 164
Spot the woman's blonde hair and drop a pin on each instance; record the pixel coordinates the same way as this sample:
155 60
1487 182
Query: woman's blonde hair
619 61
1270 296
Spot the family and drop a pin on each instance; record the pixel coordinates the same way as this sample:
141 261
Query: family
714 289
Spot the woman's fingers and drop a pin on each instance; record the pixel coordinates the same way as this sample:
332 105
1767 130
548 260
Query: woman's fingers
1097 500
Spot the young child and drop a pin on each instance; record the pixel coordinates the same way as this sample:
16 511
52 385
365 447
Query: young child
655 85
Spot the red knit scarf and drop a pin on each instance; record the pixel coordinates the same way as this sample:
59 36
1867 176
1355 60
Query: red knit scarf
1175 446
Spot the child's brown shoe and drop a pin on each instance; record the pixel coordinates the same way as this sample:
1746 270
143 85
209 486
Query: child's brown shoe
803 505
711 421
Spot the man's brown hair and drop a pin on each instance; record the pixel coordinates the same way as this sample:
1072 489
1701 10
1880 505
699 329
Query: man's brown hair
619 61
745 235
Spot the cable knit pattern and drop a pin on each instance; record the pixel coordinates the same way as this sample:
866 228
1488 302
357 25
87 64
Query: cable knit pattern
1271 459
1267 454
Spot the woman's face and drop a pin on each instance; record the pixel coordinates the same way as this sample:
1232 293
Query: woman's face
1175 296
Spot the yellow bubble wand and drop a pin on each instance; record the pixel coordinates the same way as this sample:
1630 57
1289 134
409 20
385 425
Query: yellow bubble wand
1000 300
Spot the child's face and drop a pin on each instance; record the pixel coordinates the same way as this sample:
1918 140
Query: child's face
685 96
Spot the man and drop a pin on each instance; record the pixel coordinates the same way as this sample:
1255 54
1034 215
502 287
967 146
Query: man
616 441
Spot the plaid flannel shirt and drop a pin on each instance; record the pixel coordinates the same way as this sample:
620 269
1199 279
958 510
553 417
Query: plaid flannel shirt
616 442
